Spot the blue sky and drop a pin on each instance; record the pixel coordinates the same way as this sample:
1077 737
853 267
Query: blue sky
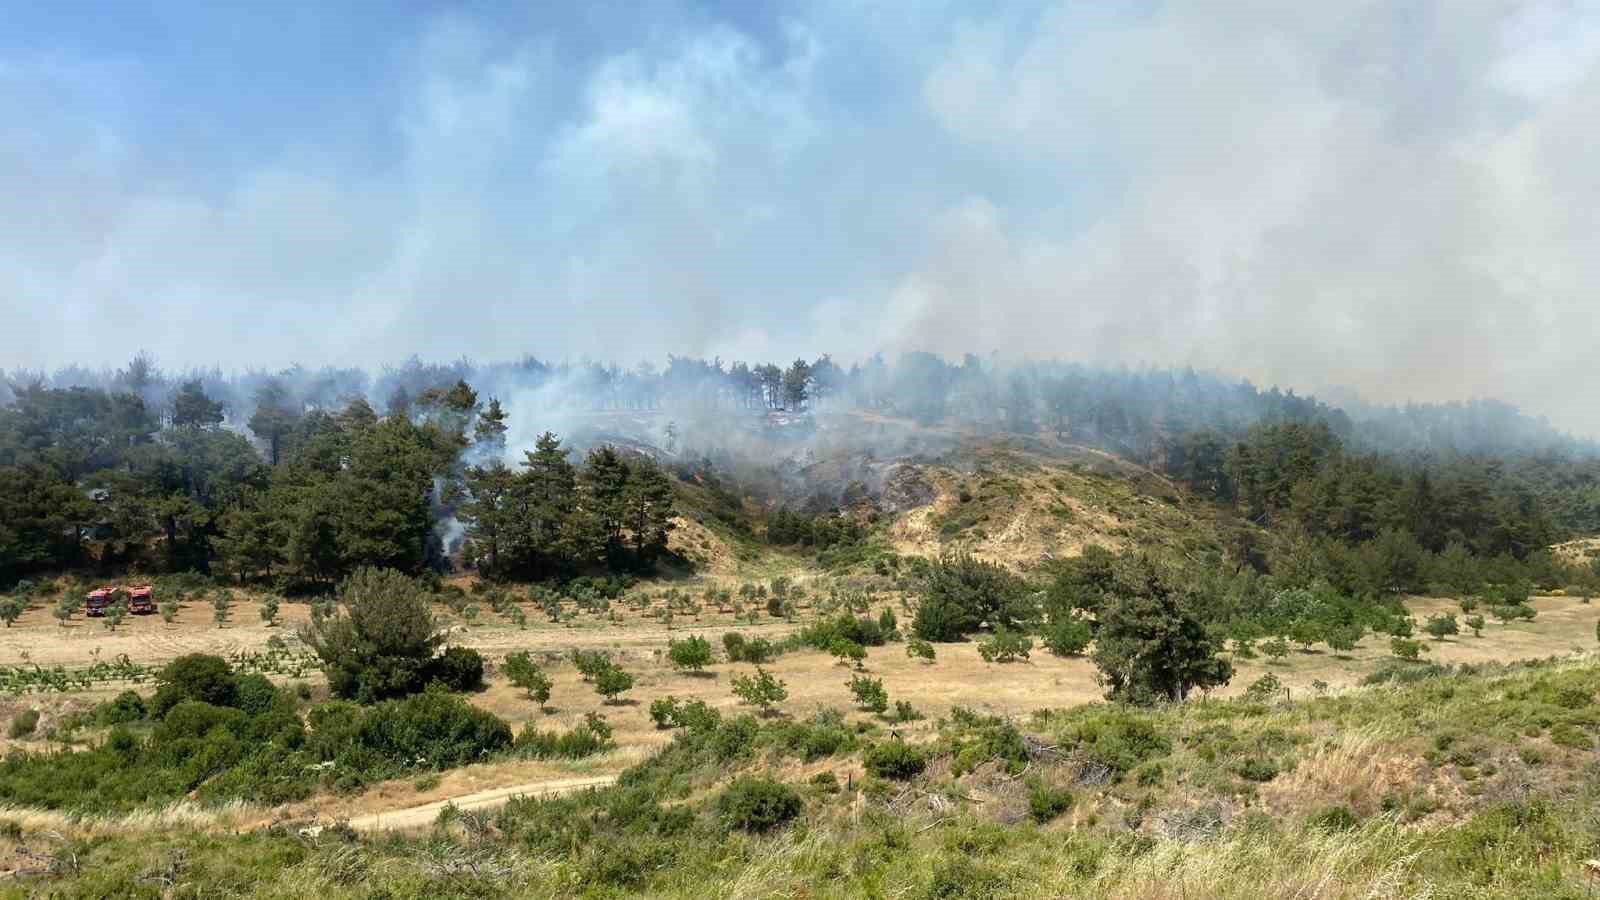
1395 197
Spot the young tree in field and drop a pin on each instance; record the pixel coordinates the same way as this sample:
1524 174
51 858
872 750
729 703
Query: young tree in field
1068 636
517 617
848 652
1476 624
269 610
116 613
1149 648
1343 638
523 672
64 609
1275 649
917 648
690 654
1442 626
761 690
168 610
11 609
869 692
1406 649
612 682
1005 646
382 644
222 608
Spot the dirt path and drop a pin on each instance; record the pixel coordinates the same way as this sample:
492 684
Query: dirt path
424 815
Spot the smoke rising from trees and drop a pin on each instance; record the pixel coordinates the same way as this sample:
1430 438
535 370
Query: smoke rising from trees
1390 197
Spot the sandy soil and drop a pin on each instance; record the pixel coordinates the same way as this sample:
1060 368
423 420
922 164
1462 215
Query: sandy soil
424 815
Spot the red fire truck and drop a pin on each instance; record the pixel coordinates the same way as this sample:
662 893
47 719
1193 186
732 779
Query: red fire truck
141 600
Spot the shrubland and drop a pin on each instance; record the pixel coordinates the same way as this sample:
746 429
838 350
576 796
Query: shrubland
1471 782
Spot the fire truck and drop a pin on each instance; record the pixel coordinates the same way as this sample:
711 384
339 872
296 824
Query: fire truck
141 600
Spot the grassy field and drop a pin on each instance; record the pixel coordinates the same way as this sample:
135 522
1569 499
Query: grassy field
1475 784
638 641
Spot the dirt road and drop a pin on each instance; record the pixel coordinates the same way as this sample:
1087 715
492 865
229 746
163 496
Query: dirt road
424 815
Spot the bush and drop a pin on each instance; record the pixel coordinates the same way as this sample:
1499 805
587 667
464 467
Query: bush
1265 689
963 593
197 676
664 711
524 673
758 804
917 648
612 682
383 644
255 694
435 729
733 644
1067 637
895 759
23 724
761 689
1005 646
591 663
1335 818
691 653
1256 768
1046 802
458 669
1442 626
127 707
1406 649
1565 734
869 693
582 741
905 712
1120 739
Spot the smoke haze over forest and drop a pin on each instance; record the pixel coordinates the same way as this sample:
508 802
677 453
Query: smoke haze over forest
1394 198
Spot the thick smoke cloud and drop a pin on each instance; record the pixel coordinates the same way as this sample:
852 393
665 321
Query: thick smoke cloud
1393 197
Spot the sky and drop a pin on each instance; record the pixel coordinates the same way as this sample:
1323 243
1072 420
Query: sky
1395 198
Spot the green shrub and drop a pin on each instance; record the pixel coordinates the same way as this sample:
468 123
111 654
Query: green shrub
582 741
733 644
1005 646
255 694
761 689
664 711
1335 818
691 654
1265 689
869 693
1068 636
383 644
1119 739
1256 768
905 712
917 648
23 724
1046 802
757 804
435 729
197 676
523 672
458 669
126 707
1406 649
612 682
895 759
1565 734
